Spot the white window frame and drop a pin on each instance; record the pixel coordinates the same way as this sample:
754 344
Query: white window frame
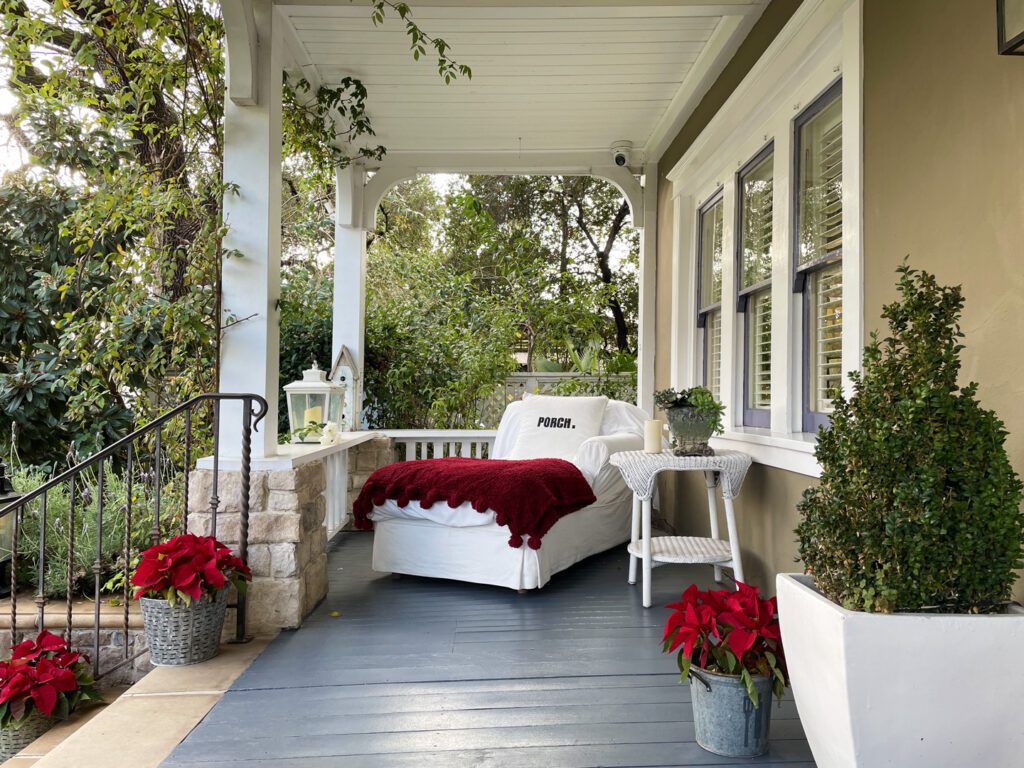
819 45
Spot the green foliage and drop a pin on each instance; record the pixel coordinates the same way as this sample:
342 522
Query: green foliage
699 398
918 506
306 312
60 535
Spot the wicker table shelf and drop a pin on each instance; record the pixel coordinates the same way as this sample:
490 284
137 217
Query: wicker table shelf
640 471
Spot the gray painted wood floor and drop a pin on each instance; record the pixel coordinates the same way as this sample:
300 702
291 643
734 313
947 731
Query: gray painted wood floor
427 673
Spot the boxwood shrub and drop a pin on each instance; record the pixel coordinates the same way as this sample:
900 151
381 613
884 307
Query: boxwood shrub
918 508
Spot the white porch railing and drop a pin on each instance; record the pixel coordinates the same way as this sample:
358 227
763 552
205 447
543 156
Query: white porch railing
336 492
437 443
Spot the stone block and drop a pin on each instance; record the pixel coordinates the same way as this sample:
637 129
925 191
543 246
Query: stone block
359 479
314 513
307 476
283 501
284 561
274 604
260 559
228 525
229 491
273 528
315 578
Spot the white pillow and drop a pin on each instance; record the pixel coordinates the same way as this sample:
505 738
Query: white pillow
555 427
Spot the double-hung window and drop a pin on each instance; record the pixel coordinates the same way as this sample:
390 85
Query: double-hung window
709 290
818 240
754 184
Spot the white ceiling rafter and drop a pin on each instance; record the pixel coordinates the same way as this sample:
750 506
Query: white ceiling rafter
550 79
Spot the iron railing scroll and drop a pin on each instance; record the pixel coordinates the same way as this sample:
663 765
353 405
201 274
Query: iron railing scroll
78 493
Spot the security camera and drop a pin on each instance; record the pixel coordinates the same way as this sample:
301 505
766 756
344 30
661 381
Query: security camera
620 152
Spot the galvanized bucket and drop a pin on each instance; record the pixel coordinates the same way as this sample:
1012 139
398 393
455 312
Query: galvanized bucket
179 635
13 740
726 721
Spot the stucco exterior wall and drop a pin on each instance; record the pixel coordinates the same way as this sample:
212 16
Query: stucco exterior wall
943 153
943 180
765 510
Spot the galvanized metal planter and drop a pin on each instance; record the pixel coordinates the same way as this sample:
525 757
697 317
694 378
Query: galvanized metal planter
691 431
13 740
179 635
726 721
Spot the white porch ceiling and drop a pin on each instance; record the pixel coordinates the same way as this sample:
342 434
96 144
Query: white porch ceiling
549 78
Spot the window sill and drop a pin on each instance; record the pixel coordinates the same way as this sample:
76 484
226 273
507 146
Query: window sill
791 452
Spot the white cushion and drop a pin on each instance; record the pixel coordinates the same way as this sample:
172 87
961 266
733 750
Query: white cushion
555 427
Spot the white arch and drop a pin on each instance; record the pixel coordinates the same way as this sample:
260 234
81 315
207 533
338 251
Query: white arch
389 175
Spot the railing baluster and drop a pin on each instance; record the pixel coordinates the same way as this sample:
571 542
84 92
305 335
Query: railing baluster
72 478
188 466
214 498
97 571
14 577
71 559
128 542
243 520
157 487
40 592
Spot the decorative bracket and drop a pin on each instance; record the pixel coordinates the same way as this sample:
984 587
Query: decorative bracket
242 51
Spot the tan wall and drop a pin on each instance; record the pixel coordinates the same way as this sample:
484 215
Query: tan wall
766 508
944 179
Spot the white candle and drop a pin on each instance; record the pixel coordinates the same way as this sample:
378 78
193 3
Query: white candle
313 415
652 435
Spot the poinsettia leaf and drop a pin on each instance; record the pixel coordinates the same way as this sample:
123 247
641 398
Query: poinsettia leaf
748 683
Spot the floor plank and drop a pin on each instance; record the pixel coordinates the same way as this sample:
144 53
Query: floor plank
429 673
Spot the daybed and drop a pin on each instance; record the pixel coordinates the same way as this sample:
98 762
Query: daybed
463 544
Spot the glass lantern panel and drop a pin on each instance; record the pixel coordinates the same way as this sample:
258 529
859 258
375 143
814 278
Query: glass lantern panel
314 410
334 412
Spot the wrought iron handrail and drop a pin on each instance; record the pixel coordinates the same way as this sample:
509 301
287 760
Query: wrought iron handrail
250 420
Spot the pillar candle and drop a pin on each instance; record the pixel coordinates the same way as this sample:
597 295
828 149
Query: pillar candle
313 415
652 435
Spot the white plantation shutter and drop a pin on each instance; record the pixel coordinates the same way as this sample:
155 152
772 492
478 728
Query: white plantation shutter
826 348
713 359
759 353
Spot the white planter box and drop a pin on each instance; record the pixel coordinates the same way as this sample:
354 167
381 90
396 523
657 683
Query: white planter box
905 690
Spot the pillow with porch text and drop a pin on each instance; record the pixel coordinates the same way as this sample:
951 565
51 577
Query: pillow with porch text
555 427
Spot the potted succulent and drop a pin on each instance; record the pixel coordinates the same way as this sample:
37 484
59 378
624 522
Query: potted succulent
730 648
693 417
41 682
903 645
182 585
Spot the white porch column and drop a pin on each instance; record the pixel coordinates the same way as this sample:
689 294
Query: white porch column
350 278
648 287
252 279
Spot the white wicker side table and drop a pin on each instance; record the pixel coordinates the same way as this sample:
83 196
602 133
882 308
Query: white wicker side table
640 471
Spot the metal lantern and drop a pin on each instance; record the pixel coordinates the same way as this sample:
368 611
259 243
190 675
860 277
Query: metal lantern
7 497
313 402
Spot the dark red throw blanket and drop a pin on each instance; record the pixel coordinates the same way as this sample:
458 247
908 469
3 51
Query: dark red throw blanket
528 496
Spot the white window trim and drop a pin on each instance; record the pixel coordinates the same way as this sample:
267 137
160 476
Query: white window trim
821 43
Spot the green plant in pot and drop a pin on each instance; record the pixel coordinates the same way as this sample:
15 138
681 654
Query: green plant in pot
693 417
182 585
41 682
729 646
917 514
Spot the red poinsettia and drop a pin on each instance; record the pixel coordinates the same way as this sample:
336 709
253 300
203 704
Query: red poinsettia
44 674
187 567
730 632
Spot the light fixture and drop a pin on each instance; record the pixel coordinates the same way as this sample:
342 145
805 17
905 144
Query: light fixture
313 402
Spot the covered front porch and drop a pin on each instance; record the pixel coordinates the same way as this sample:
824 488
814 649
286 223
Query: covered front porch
419 672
